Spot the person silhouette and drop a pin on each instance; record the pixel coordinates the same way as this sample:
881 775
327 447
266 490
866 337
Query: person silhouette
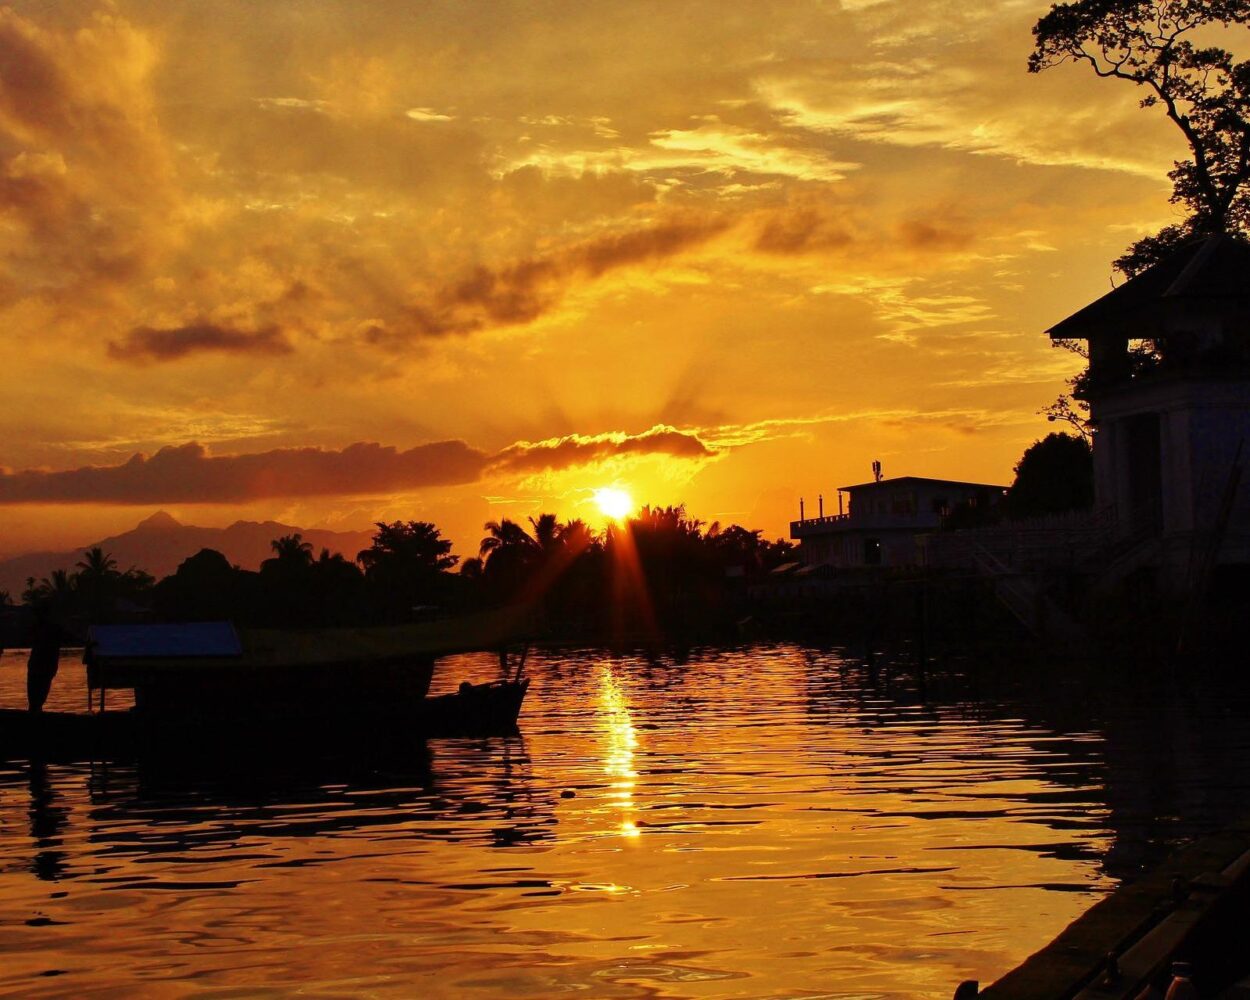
45 658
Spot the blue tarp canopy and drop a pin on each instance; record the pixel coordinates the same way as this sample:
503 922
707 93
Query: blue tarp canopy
142 642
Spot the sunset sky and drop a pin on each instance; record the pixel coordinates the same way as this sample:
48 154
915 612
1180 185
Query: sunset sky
338 262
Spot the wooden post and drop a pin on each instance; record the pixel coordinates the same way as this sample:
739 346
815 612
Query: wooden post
924 631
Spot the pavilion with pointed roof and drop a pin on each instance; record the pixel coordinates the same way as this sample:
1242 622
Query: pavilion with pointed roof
1170 426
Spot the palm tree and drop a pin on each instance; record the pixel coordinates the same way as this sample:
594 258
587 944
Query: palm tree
546 533
576 537
57 587
292 550
508 555
97 565
515 560
504 536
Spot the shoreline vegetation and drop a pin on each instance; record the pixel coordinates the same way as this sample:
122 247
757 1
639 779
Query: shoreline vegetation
647 573
658 576
644 569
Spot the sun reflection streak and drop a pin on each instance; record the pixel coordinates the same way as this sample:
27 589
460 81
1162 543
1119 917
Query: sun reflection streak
620 743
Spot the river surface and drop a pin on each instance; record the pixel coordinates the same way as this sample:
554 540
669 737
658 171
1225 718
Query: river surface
756 822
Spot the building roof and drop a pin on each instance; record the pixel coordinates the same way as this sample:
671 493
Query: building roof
190 639
1215 267
921 480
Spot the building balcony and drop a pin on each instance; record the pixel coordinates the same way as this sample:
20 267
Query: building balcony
836 523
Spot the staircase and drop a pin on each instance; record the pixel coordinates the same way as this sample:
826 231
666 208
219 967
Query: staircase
1027 602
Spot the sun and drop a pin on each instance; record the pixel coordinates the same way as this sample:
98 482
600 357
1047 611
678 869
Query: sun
614 503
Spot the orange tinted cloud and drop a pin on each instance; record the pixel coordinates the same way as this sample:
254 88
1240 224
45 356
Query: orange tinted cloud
522 291
146 343
188 474
582 449
84 174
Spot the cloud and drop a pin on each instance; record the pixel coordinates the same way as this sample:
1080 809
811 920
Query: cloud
188 474
963 88
581 449
84 173
711 148
522 291
146 343
428 115
801 229
727 148
727 437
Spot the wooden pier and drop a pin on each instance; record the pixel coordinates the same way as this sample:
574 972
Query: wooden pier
1195 907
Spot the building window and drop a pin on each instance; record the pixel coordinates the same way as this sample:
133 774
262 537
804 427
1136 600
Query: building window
872 551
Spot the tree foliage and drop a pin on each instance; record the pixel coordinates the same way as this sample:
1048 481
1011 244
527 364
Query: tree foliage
95 589
1053 475
1202 89
407 565
678 572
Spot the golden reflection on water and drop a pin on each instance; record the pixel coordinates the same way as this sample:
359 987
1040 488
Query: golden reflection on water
755 822
620 740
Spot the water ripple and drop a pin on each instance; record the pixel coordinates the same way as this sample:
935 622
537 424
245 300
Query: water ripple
745 822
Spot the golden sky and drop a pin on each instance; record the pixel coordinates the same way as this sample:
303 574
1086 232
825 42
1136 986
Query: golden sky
332 262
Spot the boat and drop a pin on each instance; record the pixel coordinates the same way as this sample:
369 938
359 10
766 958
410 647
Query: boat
208 687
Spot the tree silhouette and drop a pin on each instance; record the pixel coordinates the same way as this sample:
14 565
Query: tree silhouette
509 557
205 587
1053 475
56 588
504 535
516 563
675 561
1203 92
334 590
292 550
96 565
406 566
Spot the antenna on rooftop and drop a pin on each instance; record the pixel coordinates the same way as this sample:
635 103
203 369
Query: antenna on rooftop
876 471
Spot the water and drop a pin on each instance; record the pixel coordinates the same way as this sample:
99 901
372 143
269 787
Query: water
748 823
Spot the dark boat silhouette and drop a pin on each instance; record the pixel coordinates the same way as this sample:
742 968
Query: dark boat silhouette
207 687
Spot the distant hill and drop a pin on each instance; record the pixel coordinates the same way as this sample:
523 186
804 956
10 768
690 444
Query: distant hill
160 543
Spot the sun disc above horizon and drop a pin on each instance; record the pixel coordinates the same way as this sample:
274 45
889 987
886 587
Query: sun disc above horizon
614 503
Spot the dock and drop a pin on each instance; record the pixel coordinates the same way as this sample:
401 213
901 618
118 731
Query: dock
1194 907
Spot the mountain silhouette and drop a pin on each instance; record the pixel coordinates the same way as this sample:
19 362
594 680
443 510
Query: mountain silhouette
160 542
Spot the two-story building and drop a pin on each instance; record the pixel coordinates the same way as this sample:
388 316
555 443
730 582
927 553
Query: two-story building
884 519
